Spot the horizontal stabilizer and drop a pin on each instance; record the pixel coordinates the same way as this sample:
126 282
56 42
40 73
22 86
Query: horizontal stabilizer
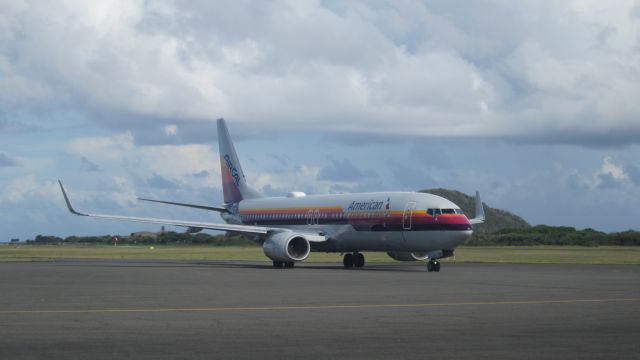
204 207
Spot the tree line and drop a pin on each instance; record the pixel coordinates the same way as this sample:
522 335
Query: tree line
535 235
554 235
169 237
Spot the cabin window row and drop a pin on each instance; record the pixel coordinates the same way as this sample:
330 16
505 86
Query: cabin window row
302 216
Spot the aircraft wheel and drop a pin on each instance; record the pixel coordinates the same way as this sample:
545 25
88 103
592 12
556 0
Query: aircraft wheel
278 264
358 260
347 261
289 264
430 266
436 266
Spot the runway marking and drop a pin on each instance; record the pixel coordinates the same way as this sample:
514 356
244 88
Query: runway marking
315 307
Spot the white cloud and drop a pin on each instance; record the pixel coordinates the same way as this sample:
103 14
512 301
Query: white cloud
611 174
21 189
178 162
527 69
611 171
109 148
171 130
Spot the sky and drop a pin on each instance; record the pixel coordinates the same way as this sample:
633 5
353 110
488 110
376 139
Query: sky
536 104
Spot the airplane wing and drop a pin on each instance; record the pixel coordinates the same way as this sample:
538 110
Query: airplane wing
204 207
247 229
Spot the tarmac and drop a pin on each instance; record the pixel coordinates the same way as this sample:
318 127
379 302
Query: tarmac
105 309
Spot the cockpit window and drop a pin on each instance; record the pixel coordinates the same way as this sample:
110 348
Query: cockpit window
448 211
459 211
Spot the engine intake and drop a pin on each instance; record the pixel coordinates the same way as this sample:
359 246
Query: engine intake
286 246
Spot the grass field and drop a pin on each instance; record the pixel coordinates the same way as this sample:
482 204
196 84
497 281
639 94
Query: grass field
534 254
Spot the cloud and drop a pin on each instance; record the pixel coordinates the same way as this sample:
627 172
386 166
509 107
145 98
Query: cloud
483 69
29 188
88 165
108 148
15 127
171 130
634 174
410 177
344 170
611 174
158 181
6 161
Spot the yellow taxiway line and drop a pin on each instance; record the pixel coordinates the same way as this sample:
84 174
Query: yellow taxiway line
313 307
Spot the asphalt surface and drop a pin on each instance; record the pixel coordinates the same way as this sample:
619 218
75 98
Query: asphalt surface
73 309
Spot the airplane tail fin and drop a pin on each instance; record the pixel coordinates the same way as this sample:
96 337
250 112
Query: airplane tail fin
234 184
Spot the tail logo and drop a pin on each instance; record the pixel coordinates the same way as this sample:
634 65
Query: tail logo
232 169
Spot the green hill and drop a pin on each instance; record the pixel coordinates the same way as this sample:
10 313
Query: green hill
497 219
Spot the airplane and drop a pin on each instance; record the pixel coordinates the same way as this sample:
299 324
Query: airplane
408 226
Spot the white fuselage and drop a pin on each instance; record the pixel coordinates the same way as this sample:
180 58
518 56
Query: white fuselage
389 221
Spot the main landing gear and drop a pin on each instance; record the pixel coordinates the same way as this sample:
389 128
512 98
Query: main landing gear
283 264
353 260
433 265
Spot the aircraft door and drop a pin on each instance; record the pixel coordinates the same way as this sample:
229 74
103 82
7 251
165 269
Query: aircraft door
313 217
407 216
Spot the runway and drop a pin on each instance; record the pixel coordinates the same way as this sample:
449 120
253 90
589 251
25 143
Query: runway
68 309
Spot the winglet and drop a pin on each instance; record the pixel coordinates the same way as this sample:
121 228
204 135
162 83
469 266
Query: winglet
66 199
479 219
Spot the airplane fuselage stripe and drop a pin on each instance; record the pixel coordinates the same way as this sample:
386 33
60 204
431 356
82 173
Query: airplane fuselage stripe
380 220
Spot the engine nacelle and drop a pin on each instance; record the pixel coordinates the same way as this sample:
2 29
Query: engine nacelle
417 256
286 246
408 256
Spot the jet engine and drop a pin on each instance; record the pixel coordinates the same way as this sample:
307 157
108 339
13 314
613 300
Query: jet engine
286 246
408 256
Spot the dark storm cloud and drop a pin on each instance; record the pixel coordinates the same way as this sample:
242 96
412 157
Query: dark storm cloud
157 181
15 127
201 174
344 170
6 161
634 173
410 177
89 166
608 181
